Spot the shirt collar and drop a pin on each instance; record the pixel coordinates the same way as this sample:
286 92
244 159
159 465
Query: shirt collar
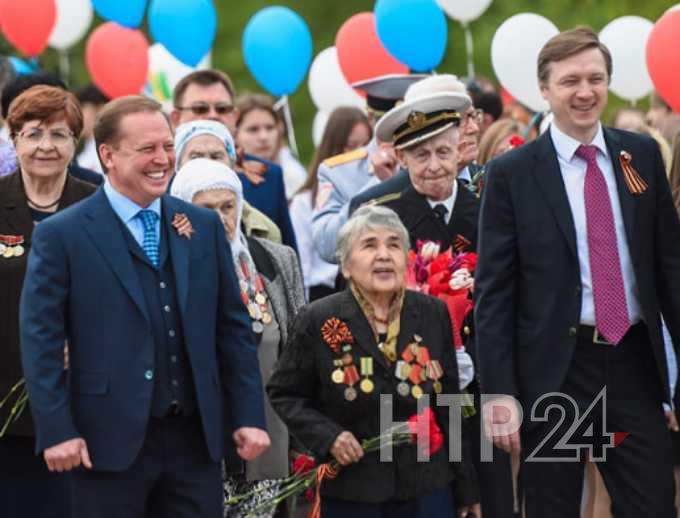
448 202
566 146
124 207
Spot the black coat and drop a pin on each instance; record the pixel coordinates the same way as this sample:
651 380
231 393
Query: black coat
315 410
527 282
422 223
15 219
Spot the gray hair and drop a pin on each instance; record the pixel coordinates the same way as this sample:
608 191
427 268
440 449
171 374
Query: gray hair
366 218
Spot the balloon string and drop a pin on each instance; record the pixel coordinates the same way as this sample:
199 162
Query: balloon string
64 65
470 51
289 126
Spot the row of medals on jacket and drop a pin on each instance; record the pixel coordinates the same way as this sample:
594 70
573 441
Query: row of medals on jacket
11 246
415 366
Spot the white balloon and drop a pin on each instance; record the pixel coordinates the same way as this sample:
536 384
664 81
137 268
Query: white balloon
464 10
327 86
672 8
165 71
514 55
319 126
73 19
626 38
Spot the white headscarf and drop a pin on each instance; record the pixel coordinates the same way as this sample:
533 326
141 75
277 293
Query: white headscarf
185 132
202 174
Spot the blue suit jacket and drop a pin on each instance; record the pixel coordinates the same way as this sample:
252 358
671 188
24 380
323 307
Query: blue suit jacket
81 287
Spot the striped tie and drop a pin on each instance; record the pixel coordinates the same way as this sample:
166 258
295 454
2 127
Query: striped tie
150 241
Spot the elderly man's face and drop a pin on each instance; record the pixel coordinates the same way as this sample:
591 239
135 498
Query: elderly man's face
205 146
468 143
377 262
433 164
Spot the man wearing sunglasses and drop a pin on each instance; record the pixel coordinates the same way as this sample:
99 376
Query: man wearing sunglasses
205 94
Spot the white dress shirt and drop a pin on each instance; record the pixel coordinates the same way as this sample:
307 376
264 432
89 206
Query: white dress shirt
573 171
448 202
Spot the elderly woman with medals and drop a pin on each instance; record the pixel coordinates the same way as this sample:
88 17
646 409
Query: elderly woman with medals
365 355
271 289
45 124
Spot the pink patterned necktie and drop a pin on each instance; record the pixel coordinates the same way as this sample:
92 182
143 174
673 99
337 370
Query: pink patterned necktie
611 309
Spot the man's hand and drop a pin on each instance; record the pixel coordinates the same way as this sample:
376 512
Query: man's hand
346 449
384 161
250 442
67 455
470 511
671 421
501 423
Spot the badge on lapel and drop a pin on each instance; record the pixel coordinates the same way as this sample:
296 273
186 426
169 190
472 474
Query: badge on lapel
636 185
182 225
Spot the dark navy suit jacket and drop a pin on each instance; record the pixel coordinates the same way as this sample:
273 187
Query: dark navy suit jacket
81 287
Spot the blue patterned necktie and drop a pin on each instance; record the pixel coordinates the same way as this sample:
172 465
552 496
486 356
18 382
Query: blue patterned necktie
150 241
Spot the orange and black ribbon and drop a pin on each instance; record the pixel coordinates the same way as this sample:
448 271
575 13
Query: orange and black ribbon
636 185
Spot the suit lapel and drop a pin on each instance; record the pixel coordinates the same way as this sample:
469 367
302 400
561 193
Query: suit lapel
179 251
103 226
354 317
626 199
549 177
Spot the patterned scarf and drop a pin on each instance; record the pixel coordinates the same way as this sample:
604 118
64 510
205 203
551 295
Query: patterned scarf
389 347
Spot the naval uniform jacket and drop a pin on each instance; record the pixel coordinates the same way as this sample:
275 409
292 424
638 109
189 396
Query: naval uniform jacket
316 412
16 220
423 224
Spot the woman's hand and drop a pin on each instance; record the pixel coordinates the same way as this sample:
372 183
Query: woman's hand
346 449
470 511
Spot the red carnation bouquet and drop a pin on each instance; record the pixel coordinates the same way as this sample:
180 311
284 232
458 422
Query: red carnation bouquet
447 276
420 429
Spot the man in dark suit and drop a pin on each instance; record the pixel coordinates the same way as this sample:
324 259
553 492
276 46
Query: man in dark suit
579 254
143 289
433 205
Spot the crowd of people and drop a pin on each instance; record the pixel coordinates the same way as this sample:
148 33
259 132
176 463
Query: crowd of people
188 311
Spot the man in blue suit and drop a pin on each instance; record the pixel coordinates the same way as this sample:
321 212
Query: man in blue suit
142 288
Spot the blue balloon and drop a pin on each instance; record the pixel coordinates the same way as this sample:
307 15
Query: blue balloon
413 31
186 28
22 67
128 13
277 48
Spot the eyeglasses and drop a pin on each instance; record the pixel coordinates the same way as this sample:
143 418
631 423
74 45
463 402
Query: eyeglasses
476 115
200 108
57 137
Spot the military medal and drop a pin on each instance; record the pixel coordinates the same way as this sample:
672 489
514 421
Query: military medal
258 327
351 377
339 339
366 384
9 252
402 386
18 249
416 391
254 297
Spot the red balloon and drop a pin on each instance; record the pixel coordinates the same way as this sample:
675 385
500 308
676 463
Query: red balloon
117 59
663 58
27 24
361 54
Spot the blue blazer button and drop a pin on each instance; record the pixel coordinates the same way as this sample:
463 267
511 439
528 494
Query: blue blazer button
148 375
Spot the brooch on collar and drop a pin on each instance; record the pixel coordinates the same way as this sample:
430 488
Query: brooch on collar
636 185
182 225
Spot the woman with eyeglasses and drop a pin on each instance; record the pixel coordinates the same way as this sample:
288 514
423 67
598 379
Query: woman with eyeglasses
44 124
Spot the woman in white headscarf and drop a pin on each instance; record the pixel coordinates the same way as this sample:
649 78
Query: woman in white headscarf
271 288
212 140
